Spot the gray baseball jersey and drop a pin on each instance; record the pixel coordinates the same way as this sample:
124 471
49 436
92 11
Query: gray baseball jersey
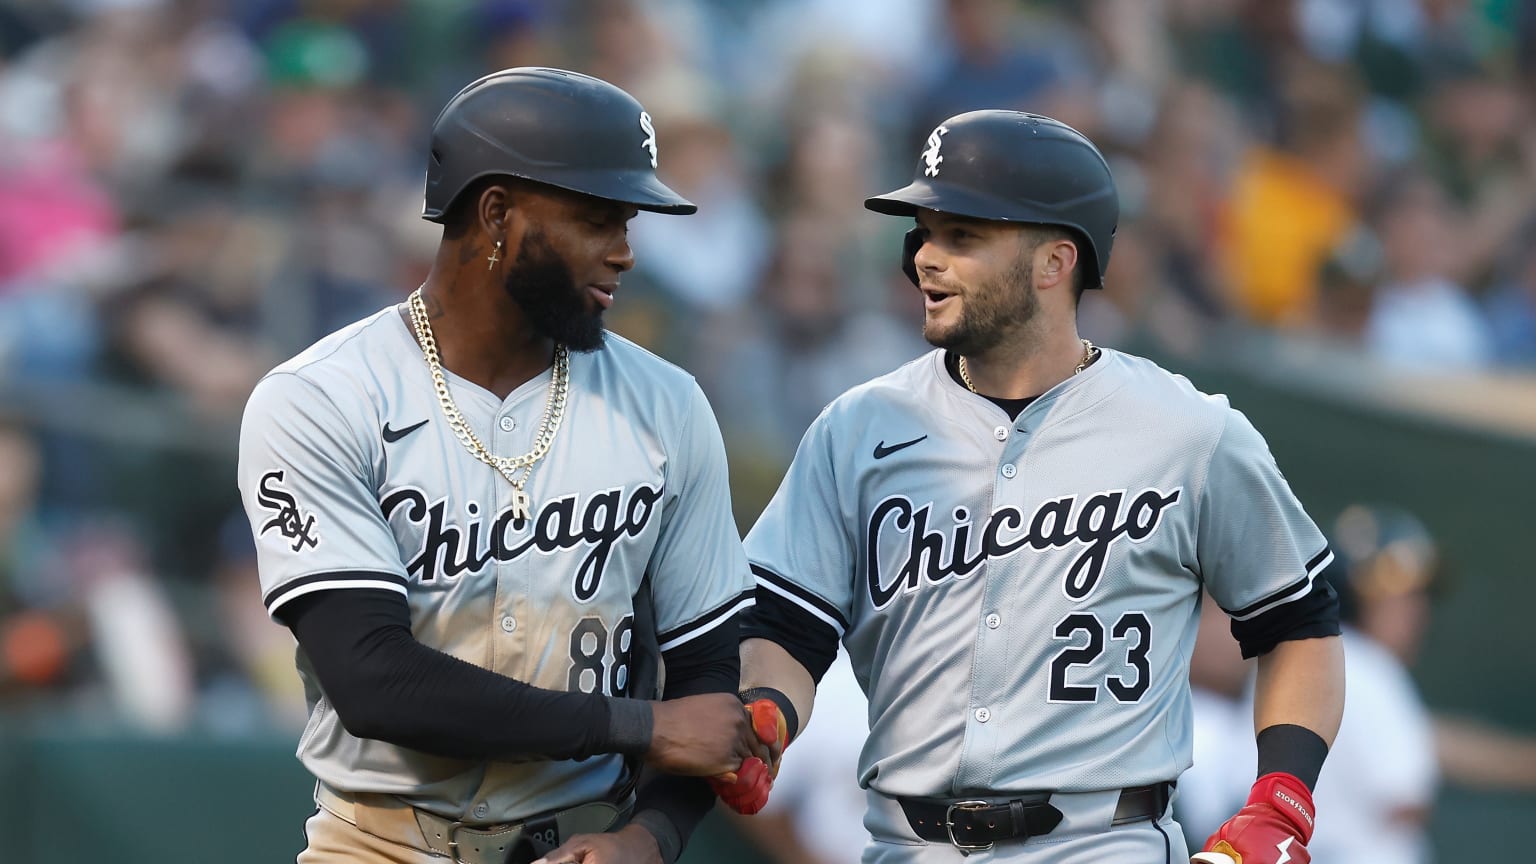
352 479
1019 598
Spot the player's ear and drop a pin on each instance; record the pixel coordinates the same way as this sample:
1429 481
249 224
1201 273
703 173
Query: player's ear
495 211
1055 261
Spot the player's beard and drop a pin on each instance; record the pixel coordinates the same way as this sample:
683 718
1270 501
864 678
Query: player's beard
540 282
990 313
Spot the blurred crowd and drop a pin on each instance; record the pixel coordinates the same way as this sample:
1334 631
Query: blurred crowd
193 190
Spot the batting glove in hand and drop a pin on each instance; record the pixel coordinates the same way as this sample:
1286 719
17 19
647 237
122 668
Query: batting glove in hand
749 791
1272 828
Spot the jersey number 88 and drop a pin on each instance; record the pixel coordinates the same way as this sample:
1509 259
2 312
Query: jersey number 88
597 663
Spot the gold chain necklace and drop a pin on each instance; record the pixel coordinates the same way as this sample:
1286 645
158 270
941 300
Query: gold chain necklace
1088 351
508 466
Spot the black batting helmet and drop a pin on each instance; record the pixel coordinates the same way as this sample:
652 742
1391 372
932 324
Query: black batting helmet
551 126
1010 166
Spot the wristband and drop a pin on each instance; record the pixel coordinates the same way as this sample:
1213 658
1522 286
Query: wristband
1290 749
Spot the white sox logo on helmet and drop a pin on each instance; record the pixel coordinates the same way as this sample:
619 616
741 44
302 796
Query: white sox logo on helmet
650 136
931 156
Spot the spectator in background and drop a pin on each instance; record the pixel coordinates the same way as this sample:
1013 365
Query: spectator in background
40 633
83 625
1289 206
1420 318
1481 148
1173 290
999 58
714 263
1510 308
1346 286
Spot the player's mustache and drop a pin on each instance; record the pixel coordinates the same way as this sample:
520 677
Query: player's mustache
930 284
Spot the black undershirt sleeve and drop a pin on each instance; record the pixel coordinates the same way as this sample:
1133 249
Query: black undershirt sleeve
385 685
1312 616
808 639
709 663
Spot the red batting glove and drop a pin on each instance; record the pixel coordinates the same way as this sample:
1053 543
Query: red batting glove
1272 828
749 793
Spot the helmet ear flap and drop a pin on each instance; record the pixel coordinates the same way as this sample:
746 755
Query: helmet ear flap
909 247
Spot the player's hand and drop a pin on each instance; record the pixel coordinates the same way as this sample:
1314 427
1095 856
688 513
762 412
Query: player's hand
1272 828
631 844
703 736
749 793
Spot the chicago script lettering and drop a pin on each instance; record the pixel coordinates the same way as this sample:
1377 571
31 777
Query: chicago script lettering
932 556
449 550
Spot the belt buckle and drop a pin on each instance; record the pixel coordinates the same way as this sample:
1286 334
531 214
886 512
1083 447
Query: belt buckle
949 825
453 842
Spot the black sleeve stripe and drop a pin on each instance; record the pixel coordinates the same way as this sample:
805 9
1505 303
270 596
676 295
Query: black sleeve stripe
327 581
1294 591
706 622
802 598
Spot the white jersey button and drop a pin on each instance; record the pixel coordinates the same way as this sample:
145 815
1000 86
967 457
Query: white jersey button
482 810
509 623
983 715
508 424
1009 471
1000 433
994 620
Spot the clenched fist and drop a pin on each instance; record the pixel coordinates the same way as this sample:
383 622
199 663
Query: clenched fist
748 792
1272 828
703 736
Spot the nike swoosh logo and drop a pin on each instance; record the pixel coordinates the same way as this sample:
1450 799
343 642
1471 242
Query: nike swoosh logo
882 451
393 435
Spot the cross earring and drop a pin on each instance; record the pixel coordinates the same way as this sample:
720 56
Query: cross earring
493 256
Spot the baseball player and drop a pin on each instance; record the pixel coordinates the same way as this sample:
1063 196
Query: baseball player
486 520
1010 534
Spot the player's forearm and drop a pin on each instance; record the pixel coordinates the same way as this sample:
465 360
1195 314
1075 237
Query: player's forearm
417 697
386 686
766 664
1301 682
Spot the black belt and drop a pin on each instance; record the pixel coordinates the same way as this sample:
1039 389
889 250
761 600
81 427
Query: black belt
976 823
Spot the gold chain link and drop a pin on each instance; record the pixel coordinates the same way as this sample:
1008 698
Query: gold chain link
554 408
1088 351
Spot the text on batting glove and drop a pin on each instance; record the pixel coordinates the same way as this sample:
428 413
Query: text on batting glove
1274 827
